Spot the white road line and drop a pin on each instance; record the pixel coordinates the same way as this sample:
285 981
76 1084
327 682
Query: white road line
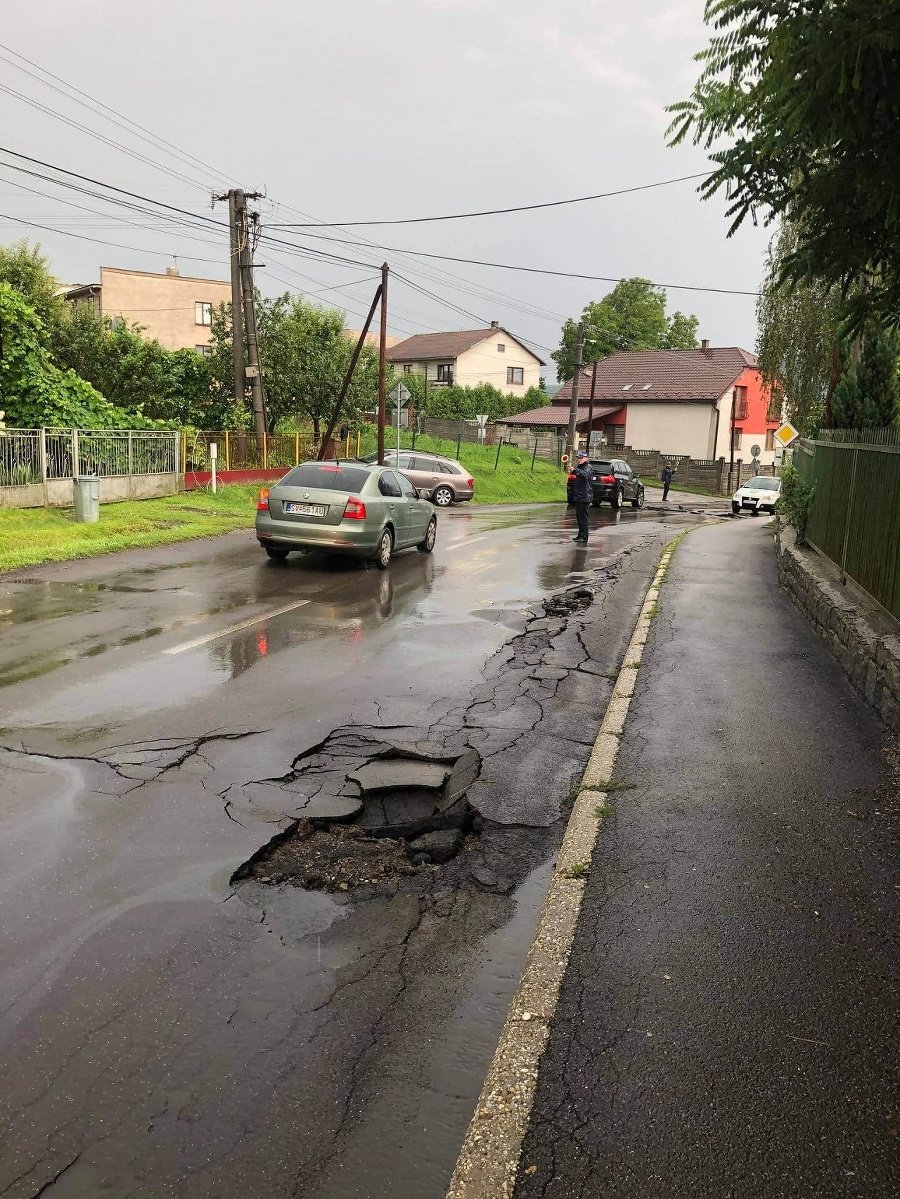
234 628
456 545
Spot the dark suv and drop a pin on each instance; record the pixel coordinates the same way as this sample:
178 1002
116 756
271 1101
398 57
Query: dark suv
614 481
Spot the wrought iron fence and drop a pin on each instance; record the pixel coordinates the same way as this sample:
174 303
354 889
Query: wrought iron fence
20 457
36 457
855 515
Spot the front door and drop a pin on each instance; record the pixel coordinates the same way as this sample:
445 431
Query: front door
418 513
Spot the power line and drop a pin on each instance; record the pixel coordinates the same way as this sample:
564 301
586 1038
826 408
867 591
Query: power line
196 216
532 270
100 242
93 105
463 216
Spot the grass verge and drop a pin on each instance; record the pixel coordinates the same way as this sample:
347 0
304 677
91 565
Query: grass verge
29 536
513 482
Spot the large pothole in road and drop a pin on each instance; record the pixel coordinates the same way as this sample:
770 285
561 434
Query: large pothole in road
400 813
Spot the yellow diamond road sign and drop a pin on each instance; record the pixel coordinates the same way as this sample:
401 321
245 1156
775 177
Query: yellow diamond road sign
786 434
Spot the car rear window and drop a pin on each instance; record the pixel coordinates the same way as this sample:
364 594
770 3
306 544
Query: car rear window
605 468
327 476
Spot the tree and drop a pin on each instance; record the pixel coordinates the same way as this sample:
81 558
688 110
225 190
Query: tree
868 393
799 332
35 392
305 354
26 269
631 317
806 96
133 372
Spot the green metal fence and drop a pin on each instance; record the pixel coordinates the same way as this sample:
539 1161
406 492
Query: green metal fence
855 514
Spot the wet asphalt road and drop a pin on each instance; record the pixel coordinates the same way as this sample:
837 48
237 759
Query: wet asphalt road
728 1020
167 1033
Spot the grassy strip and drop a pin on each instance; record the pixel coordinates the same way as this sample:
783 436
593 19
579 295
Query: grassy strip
511 483
29 536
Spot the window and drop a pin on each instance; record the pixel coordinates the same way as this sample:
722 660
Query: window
515 374
770 439
445 372
615 435
326 477
501 348
736 439
205 351
740 403
407 488
774 411
202 312
388 484
407 368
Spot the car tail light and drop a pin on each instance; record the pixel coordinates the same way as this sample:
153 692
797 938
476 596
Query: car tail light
471 482
262 503
607 478
355 509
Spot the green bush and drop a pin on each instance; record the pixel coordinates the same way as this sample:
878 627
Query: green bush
796 500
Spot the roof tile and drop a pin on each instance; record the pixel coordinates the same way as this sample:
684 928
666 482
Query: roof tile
673 375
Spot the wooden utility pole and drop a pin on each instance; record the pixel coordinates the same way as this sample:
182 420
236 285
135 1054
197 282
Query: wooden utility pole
591 404
573 404
382 350
235 207
243 311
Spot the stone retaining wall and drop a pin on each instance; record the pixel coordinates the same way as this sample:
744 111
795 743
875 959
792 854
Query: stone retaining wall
867 651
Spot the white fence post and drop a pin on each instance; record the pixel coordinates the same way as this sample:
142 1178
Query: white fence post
76 465
42 450
130 466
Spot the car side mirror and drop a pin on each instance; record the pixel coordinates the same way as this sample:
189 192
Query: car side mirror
423 493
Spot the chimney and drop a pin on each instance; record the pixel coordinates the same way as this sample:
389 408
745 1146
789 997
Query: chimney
704 345
495 324
171 270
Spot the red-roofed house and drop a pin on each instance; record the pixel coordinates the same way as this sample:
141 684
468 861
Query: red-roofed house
470 357
674 401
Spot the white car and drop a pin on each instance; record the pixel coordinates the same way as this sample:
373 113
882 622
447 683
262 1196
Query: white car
758 494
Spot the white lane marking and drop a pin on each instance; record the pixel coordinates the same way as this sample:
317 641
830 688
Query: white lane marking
456 545
234 628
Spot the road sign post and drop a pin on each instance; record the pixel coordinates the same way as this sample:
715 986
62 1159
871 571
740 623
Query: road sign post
482 425
400 396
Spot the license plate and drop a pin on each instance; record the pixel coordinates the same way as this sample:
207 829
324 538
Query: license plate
305 509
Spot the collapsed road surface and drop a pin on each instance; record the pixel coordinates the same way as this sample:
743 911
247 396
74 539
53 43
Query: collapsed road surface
275 839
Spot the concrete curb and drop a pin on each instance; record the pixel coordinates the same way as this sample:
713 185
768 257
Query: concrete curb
488 1162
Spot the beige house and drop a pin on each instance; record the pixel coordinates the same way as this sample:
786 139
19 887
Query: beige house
469 357
174 309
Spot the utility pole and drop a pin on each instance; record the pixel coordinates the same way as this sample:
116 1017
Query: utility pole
573 405
591 404
243 311
235 218
731 441
382 350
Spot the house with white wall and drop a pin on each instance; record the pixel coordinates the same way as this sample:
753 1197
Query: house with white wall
469 357
696 403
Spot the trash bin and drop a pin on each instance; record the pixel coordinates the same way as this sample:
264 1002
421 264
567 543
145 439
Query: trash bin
87 499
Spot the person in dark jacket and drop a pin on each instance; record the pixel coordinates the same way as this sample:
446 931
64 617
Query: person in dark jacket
583 495
667 479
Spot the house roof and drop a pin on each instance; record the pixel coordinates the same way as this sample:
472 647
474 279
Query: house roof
428 346
672 375
555 415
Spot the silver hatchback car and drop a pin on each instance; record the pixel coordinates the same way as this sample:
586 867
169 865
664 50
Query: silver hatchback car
344 508
448 480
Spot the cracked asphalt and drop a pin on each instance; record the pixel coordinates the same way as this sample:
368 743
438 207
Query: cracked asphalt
163 715
727 1025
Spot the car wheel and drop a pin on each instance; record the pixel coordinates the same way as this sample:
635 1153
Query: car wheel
736 509
442 497
754 511
616 499
638 501
426 546
385 549
278 555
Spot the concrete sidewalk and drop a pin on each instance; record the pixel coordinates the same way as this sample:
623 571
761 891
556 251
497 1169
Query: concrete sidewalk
727 1025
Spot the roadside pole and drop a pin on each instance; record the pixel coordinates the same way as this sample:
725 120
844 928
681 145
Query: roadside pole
591 405
213 455
731 440
573 404
382 350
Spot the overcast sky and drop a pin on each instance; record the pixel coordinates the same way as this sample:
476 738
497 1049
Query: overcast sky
367 109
